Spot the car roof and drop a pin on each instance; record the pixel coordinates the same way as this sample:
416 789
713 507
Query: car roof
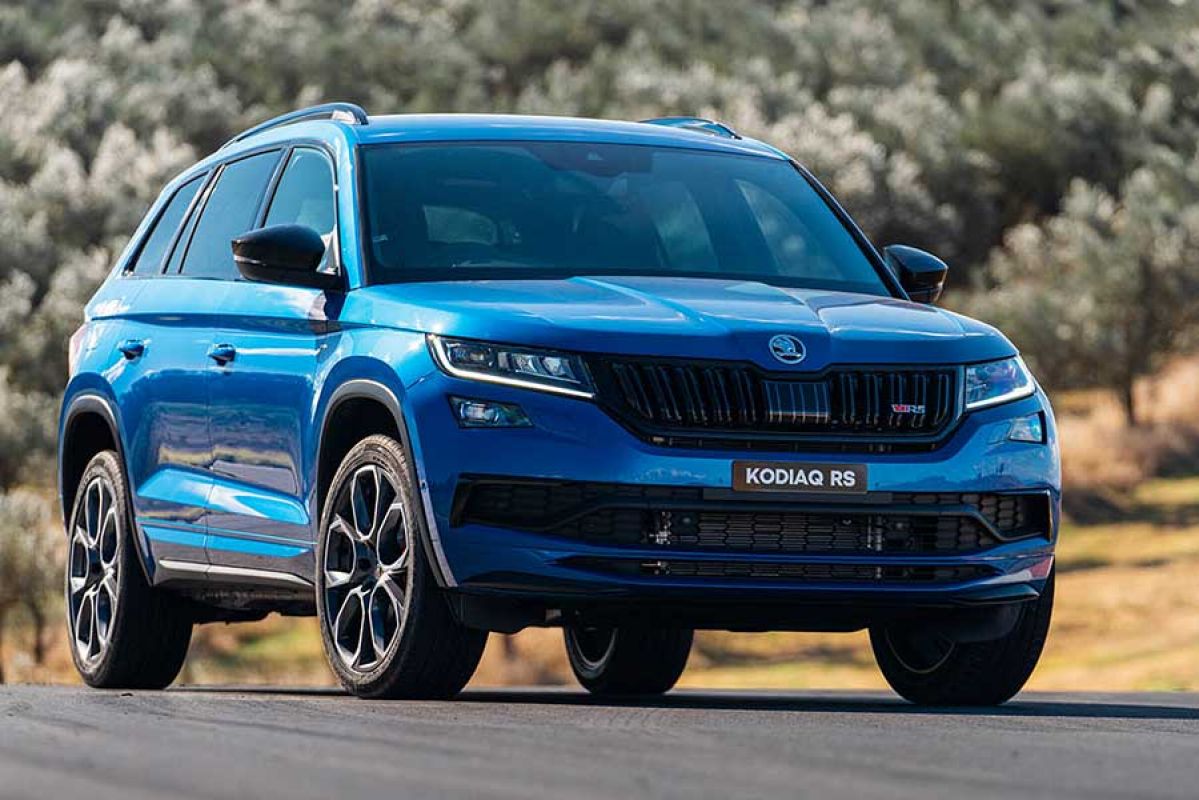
515 127
399 128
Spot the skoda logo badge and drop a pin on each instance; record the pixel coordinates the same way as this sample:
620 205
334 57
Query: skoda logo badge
787 348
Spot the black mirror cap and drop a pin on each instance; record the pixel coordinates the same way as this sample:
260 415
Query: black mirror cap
921 274
285 254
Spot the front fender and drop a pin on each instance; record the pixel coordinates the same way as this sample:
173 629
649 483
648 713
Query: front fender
369 378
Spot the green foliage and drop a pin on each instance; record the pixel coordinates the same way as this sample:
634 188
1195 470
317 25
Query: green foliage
1102 292
29 572
949 124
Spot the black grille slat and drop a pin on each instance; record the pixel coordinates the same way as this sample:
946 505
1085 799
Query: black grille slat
746 403
717 390
659 382
874 399
693 397
920 398
633 389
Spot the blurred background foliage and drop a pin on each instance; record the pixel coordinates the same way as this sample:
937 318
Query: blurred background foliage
1045 148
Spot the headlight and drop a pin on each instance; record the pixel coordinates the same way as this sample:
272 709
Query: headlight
529 368
997 382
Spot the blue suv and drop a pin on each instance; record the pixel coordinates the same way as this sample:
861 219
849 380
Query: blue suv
427 377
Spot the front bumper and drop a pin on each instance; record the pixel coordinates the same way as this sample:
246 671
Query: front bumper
575 441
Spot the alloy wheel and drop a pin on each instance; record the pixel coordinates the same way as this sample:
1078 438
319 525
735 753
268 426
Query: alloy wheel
93 571
367 569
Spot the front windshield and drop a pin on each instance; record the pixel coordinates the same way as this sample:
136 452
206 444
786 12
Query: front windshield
474 211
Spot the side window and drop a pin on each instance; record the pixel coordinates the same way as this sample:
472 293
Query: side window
305 195
154 249
229 212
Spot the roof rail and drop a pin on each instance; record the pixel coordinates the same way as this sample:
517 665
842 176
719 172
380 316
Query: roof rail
698 124
345 112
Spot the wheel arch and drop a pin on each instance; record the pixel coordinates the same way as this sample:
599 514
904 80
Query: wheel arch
366 406
89 425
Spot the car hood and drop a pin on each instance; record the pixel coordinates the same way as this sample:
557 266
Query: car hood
686 317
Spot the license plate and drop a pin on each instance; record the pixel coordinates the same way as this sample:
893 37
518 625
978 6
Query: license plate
792 477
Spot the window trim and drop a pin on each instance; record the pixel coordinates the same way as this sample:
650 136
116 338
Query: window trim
272 191
130 268
217 171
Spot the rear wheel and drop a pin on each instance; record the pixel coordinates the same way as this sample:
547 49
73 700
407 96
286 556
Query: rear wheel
387 629
928 668
124 634
627 660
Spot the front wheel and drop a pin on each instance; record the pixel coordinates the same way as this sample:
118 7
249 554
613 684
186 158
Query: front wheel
928 668
627 660
388 631
124 633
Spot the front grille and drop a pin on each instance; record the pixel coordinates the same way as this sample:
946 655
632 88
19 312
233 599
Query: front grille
681 403
783 571
691 518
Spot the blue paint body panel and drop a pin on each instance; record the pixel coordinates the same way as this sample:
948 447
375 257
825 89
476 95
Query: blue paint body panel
223 459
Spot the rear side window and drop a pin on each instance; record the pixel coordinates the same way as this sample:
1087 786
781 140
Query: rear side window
228 213
305 195
149 260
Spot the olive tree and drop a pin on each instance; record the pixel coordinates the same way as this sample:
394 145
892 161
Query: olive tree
1100 294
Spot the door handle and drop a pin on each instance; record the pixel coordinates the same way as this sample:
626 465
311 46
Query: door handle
222 353
132 348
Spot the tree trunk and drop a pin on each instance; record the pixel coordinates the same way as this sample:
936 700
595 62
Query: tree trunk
510 652
1142 336
38 616
1128 400
2 616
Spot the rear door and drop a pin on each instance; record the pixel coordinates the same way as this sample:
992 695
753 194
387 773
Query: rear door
160 381
262 397
198 277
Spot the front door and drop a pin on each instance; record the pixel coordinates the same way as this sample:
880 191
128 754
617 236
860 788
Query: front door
262 394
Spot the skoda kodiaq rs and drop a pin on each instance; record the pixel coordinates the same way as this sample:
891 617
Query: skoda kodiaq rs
426 377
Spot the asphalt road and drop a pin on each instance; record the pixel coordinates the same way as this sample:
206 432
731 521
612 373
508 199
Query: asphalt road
241 744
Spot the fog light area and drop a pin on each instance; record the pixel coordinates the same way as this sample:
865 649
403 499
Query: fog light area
488 414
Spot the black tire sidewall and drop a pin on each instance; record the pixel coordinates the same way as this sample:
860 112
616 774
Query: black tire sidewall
977 674
641 661
585 671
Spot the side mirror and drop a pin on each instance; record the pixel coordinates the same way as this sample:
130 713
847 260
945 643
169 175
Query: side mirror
921 274
286 254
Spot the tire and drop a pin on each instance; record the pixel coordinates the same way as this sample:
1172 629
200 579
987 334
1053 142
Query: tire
929 672
124 634
387 628
627 660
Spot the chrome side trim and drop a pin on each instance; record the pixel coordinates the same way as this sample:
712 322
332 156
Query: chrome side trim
246 574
